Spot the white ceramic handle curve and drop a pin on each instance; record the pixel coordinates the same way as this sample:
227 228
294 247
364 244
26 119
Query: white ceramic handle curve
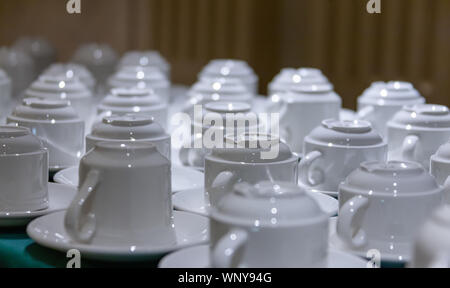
82 232
304 168
225 250
345 224
409 147
365 112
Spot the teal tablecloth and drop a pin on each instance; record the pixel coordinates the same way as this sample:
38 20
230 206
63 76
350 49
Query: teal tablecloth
17 250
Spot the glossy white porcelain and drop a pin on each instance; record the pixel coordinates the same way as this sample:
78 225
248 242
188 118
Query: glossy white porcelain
193 200
234 69
142 78
290 77
63 88
23 171
440 168
382 206
199 257
268 225
214 119
217 89
248 161
100 59
336 148
20 68
124 190
302 109
182 178
146 58
417 131
130 128
121 101
59 198
379 103
42 52
57 124
432 244
189 230
72 70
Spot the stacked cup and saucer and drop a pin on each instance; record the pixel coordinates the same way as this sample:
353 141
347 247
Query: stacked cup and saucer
24 189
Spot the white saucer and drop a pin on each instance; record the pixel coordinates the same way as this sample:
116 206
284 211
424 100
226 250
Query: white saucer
193 201
183 178
198 257
59 197
338 244
49 232
311 189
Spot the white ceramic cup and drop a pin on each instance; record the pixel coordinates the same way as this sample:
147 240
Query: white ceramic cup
57 124
432 244
124 197
290 77
440 168
142 78
383 204
213 121
268 225
336 148
416 132
72 70
23 171
63 88
42 52
130 128
302 109
232 69
100 59
379 103
20 68
123 101
147 58
251 158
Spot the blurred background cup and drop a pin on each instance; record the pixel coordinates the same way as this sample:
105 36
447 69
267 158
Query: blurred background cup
42 52
124 190
20 68
246 233
72 70
145 58
100 59
336 148
5 93
121 101
130 128
417 131
302 109
234 69
57 124
290 77
23 171
379 103
142 78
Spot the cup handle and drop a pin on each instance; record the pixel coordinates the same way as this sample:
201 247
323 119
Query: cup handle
305 165
365 112
409 147
346 226
225 250
82 232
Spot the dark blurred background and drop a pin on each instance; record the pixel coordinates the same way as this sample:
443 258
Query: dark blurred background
409 40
